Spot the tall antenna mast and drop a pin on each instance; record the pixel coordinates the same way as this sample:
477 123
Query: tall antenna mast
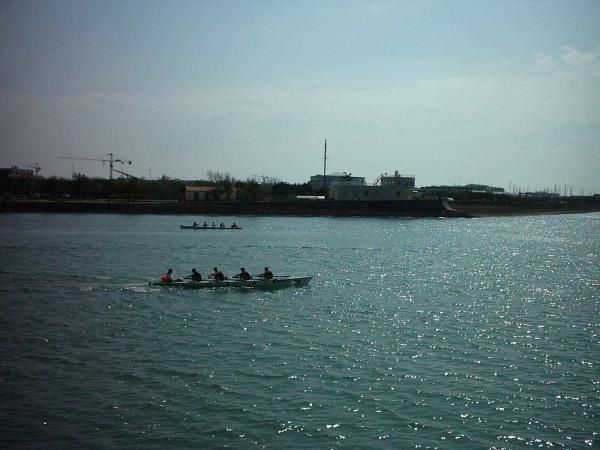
325 165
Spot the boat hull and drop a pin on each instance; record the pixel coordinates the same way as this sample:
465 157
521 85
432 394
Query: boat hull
276 283
199 227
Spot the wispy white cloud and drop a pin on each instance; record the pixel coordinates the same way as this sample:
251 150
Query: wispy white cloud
544 63
579 58
569 62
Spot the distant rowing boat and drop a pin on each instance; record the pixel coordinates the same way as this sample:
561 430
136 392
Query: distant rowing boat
275 283
201 227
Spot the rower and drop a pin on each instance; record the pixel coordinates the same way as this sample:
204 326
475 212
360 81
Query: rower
267 274
221 225
243 275
217 275
195 276
168 277
234 225
195 225
205 224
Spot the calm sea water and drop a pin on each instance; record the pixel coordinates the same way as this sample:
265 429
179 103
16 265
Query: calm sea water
414 333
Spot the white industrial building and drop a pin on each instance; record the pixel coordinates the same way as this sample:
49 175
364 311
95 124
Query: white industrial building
386 188
323 182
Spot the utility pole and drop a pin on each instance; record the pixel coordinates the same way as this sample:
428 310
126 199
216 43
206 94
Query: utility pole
325 165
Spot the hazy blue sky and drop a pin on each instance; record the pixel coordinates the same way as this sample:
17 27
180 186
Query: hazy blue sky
489 92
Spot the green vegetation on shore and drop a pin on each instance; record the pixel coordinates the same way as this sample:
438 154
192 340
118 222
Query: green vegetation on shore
234 197
164 188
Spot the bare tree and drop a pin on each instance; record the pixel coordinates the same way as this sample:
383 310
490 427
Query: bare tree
219 177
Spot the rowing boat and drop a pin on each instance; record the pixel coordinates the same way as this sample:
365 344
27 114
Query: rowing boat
201 227
275 283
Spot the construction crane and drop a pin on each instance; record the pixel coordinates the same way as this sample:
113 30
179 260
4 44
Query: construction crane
111 160
37 168
128 175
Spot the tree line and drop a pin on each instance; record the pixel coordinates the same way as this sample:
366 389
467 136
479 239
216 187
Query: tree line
164 188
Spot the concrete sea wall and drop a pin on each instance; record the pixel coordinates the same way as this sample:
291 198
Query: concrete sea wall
409 208
292 208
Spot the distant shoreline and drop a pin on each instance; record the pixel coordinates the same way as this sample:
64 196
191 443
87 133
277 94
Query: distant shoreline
412 208
232 208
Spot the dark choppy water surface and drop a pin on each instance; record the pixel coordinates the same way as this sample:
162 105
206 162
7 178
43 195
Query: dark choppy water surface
413 333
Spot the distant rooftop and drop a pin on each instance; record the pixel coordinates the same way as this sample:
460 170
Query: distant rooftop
200 188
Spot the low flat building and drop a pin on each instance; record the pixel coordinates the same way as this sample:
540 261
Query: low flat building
200 193
540 194
469 188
